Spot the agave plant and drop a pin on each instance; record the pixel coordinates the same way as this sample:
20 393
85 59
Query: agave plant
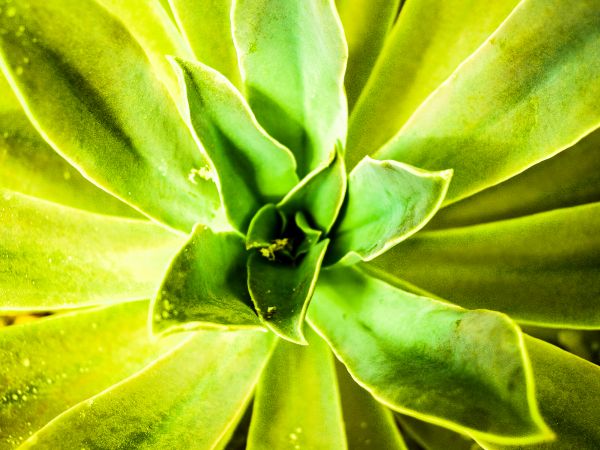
214 198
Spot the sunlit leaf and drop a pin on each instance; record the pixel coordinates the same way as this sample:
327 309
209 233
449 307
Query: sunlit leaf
540 269
292 57
297 402
55 257
464 370
433 437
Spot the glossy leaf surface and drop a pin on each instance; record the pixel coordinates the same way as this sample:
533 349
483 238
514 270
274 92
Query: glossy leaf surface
297 402
464 370
205 285
281 290
169 405
387 202
55 257
118 124
52 364
252 168
428 42
292 57
528 93
539 269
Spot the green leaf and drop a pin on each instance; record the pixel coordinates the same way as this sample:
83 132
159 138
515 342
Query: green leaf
428 42
266 226
293 57
52 364
368 423
118 125
432 437
387 202
55 257
568 179
190 398
30 166
207 27
320 195
568 388
281 290
540 269
297 403
366 25
252 168
464 370
488 130
205 286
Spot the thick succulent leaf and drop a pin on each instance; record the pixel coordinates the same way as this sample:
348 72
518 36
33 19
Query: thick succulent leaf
387 202
207 27
281 290
540 269
52 364
189 398
252 168
319 196
428 42
368 423
568 388
432 437
54 257
568 179
488 129
297 402
118 124
205 285
266 226
366 25
464 370
293 57
30 166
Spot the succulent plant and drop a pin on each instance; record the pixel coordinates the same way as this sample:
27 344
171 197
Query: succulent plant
285 224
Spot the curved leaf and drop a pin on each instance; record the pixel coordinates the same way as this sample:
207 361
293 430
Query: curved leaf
52 364
54 257
539 269
387 202
205 286
189 398
118 125
488 129
568 179
464 370
207 27
293 57
252 168
297 402
366 25
432 437
428 42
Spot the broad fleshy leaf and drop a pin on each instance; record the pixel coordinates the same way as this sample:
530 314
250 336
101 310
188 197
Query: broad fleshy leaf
207 27
366 25
568 388
568 179
320 195
252 168
540 269
432 437
118 124
368 423
281 290
464 370
297 402
387 202
428 42
526 94
205 285
55 257
189 398
52 364
293 57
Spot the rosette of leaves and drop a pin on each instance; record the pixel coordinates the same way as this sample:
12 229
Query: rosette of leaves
215 198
